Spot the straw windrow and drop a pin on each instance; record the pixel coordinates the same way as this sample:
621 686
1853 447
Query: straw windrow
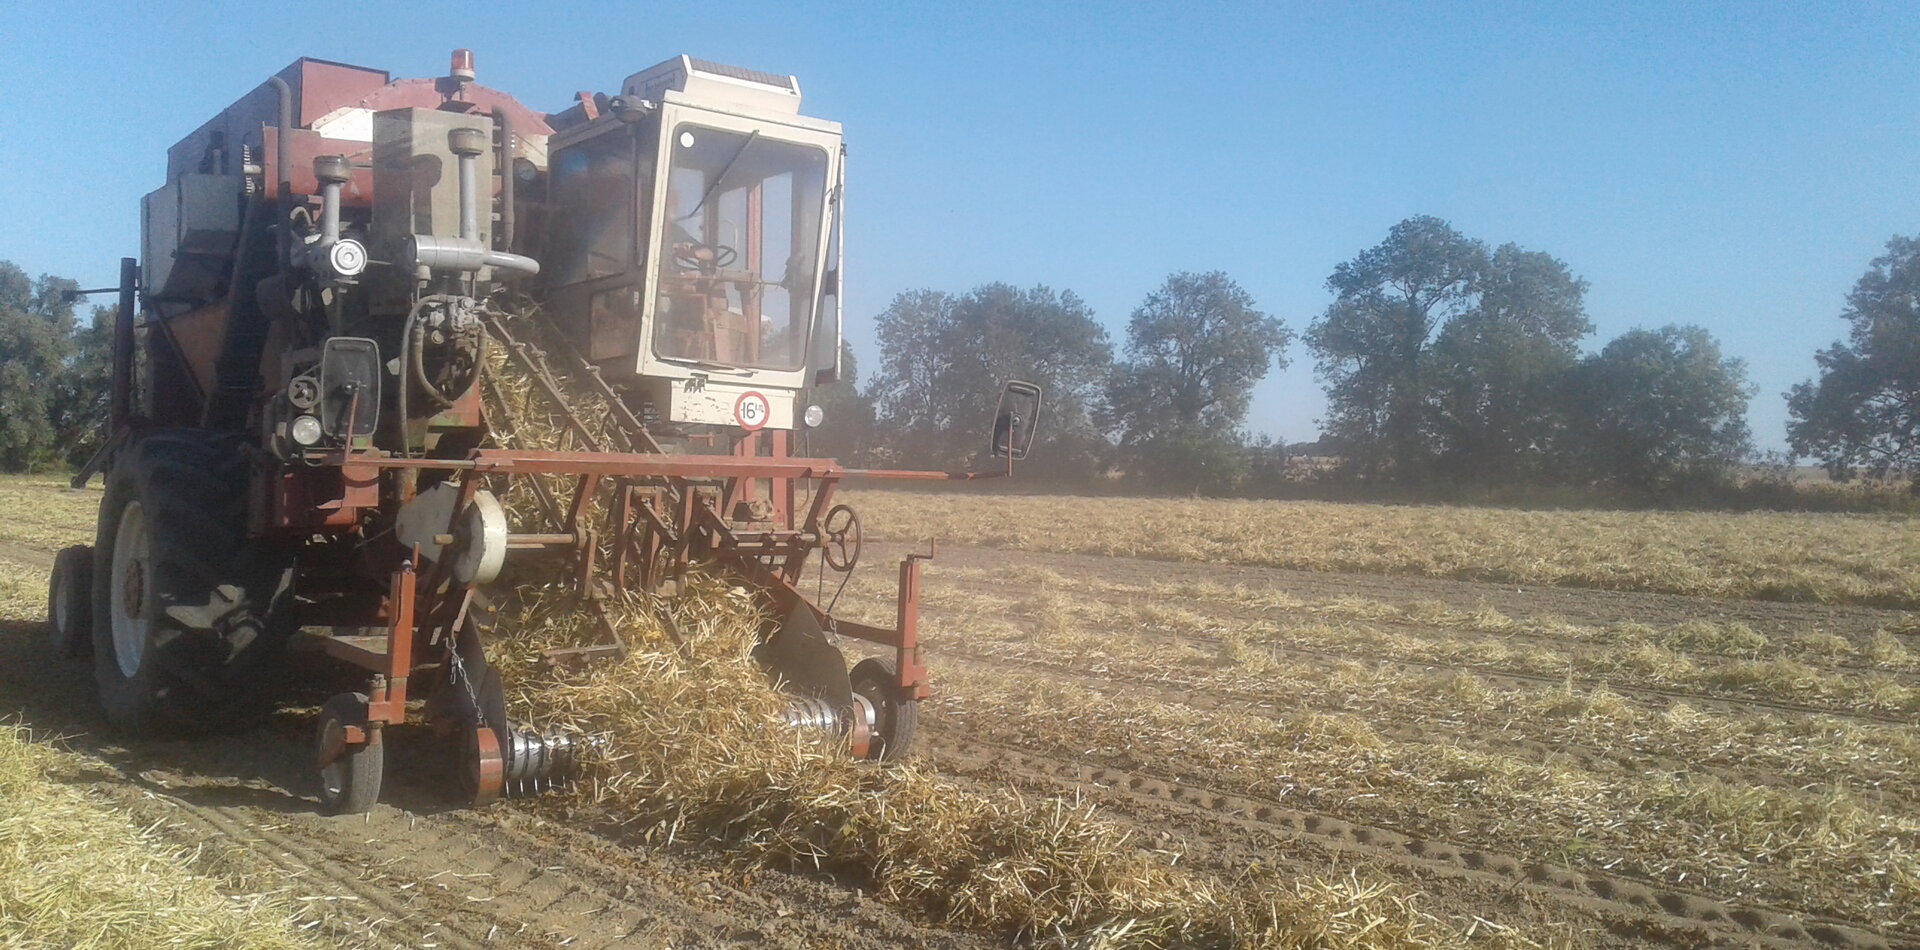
689 748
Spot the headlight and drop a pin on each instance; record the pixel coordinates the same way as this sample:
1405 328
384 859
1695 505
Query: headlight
814 416
306 430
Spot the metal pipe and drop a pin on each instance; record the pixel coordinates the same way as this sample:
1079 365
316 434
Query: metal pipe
331 171
282 157
123 340
283 164
463 254
504 120
469 197
330 212
467 253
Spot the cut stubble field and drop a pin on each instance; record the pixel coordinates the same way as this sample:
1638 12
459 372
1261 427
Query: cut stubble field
1401 725
1821 558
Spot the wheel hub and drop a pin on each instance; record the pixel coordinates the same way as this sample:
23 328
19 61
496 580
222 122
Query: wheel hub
133 588
129 623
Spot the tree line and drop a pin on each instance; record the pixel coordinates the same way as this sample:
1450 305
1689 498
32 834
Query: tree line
1445 361
56 373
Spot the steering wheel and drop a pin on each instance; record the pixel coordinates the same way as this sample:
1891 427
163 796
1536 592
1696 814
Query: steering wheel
697 255
841 547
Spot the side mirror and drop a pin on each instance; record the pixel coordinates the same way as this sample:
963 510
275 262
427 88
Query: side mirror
1016 421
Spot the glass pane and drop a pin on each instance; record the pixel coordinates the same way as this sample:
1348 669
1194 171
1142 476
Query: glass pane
740 253
593 187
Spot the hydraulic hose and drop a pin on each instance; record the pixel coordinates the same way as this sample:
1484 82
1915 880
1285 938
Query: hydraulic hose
409 356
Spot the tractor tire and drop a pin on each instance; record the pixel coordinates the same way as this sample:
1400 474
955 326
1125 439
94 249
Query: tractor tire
896 714
350 784
188 613
70 603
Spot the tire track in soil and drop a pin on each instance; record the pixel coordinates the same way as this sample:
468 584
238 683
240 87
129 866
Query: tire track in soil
26 555
1239 827
1126 600
1208 699
1540 750
1499 675
1579 604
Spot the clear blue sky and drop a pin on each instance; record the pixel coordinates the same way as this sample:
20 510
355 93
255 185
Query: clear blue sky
1735 165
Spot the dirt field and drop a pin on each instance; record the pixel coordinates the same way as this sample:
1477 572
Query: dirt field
1557 765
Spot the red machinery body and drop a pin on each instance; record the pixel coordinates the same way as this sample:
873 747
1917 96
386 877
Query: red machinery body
302 432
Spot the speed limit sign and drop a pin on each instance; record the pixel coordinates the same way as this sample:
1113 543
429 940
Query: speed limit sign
751 411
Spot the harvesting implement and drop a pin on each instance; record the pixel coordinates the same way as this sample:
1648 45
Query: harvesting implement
309 429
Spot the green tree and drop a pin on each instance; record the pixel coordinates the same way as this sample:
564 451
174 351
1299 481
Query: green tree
916 334
36 329
1497 366
1373 343
847 432
1863 414
1195 348
1658 410
943 359
82 398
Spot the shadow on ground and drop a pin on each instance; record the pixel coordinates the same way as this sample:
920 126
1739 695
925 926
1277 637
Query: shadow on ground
265 764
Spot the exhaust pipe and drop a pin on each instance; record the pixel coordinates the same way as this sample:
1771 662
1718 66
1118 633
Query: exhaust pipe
331 255
466 253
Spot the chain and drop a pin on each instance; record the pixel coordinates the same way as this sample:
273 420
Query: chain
464 680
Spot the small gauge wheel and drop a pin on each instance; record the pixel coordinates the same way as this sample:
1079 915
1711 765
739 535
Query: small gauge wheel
896 714
841 542
70 602
350 773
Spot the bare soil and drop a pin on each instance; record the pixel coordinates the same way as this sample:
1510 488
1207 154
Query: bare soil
421 871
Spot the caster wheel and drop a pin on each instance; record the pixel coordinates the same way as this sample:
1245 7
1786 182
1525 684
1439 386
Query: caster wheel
349 773
895 713
70 603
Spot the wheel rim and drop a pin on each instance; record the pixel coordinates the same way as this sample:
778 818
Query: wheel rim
880 723
333 775
131 626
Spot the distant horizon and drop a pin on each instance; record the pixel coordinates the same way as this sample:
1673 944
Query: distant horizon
1721 165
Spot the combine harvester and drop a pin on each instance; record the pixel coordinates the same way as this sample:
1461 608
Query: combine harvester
301 432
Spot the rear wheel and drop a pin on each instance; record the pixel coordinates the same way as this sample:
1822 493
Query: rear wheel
896 714
350 773
70 602
186 610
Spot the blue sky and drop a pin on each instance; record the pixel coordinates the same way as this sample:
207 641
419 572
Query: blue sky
1735 166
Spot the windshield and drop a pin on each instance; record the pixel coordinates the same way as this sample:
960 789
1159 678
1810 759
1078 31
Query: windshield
740 249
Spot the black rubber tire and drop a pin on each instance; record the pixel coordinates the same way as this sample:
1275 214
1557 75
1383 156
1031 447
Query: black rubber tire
896 715
70 603
212 603
352 785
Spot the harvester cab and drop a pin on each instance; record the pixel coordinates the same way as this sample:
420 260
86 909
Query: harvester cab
694 245
394 336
